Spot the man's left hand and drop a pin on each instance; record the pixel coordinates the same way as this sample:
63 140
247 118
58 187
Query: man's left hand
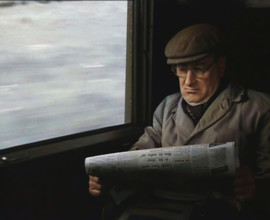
244 185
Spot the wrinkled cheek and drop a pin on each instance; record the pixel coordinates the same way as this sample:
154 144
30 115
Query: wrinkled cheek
182 91
184 94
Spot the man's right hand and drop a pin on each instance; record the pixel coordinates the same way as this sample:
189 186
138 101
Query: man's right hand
95 186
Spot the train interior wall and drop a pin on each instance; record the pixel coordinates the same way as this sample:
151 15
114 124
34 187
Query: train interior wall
56 186
52 187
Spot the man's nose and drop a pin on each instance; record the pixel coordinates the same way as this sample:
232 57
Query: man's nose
190 78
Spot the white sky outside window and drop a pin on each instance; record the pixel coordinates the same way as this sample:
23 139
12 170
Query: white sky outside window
62 68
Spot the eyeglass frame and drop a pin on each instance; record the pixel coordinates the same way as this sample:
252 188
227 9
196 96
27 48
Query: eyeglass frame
174 69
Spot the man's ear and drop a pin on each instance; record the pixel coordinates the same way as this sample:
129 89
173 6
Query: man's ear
221 63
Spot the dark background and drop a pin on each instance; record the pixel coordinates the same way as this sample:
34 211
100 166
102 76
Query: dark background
56 186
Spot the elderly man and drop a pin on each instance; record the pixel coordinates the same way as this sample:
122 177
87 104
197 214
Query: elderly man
211 110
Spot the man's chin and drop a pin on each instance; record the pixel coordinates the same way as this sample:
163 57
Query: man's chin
192 99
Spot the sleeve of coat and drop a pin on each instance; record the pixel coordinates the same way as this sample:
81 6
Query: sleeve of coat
152 134
263 163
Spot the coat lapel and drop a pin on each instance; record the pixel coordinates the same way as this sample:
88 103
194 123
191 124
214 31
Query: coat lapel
216 110
184 125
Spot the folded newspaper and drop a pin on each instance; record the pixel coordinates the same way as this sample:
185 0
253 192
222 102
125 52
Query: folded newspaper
180 162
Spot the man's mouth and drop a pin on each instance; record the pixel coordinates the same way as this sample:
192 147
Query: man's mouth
189 90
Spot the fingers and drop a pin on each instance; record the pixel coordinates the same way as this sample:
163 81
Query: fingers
243 171
245 192
94 186
134 148
244 180
244 184
94 182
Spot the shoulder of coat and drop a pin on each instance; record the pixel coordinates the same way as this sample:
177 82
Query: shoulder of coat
259 99
171 101
173 98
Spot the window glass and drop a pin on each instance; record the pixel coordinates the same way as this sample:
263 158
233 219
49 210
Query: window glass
63 68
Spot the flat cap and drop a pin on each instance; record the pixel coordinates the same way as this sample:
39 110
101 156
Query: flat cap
194 43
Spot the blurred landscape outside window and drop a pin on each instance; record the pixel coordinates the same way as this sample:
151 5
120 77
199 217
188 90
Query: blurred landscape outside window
63 68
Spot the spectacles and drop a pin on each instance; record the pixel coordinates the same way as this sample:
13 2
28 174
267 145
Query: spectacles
198 70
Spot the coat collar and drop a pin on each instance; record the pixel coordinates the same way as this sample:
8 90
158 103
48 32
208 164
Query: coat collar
184 125
217 110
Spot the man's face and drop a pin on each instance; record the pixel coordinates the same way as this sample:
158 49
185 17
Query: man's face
199 80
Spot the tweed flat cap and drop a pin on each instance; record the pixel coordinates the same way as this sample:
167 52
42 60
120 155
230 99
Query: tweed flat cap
193 43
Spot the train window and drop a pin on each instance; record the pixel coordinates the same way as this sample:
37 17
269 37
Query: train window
64 68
